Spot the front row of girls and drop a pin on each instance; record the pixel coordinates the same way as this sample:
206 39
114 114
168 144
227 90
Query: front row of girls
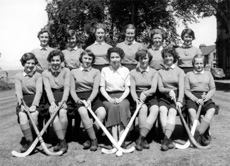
157 89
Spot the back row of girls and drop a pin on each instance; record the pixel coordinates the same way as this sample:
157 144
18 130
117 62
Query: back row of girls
113 108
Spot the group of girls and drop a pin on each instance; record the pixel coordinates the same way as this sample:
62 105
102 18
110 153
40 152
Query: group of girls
104 77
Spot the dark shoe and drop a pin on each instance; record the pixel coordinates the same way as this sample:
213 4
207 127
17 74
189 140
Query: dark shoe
25 147
164 144
146 145
87 144
64 146
139 143
123 145
57 147
206 138
170 145
94 145
197 137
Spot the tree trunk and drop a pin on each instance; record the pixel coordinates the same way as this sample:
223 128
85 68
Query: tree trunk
223 44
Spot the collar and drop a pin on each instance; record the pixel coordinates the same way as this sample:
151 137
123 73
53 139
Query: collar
142 70
196 73
187 46
43 48
55 73
132 43
86 70
97 43
73 49
169 67
157 48
28 75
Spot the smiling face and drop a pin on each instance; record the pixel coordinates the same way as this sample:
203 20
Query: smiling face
157 40
187 39
168 59
198 64
129 35
144 61
100 35
44 39
55 63
72 41
115 60
29 66
87 61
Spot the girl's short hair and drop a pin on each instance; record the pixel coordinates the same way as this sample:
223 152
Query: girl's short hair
99 25
71 33
158 31
199 56
44 31
130 26
172 51
188 31
28 56
87 52
117 50
56 53
142 53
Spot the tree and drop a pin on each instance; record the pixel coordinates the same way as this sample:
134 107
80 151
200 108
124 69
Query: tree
206 8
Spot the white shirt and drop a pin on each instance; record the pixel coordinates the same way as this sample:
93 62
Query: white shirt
115 80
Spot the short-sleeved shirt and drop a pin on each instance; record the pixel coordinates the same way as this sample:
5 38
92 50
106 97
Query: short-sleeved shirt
130 50
100 52
86 80
143 79
171 79
186 55
61 81
27 85
199 82
157 62
115 80
41 54
72 56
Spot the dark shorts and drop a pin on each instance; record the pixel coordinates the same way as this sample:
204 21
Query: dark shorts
207 105
165 100
150 100
95 104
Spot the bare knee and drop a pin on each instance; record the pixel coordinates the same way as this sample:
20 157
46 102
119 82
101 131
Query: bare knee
101 113
23 119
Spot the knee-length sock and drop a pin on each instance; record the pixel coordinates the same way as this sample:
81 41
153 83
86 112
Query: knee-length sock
58 130
145 129
169 129
27 132
205 122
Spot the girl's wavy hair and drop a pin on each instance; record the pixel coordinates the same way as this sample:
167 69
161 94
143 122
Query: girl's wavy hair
28 56
172 51
56 53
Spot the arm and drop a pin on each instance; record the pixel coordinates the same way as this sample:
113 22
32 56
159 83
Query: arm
66 85
39 90
48 88
153 88
127 85
212 88
161 87
181 87
187 88
73 89
18 90
95 86
133 87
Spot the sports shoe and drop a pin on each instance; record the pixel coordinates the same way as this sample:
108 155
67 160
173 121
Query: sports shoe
63 146
57 147
164 144
87 144
139 143
146 145
170 145
197 136
94 145
206 138
25 147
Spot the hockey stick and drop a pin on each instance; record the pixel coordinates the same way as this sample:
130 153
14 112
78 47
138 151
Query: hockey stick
187 144
104 129
39 137
123 136
191 138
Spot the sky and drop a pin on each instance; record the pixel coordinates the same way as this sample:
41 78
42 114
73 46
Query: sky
21 20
